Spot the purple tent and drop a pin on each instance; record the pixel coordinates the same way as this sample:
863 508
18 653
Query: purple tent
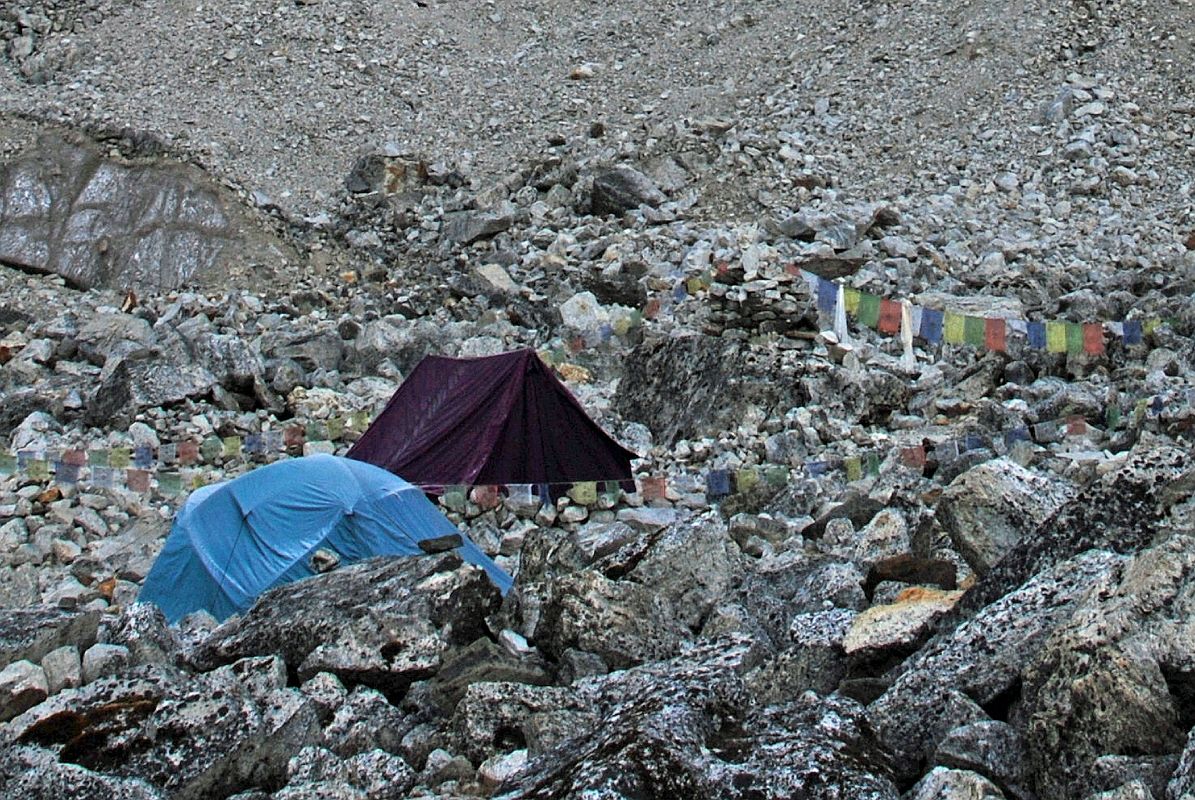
494 420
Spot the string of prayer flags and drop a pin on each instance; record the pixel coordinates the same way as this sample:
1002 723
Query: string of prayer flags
717 484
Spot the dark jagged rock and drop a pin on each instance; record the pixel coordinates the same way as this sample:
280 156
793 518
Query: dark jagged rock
384 623
686 726
622 188
29 633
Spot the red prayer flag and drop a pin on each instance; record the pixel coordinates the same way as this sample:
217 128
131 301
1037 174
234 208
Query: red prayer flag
889 317
993 334
1093 338
486 497
1076 426
188 452
137 480
913 456
791 269
653 488
294 436
652 308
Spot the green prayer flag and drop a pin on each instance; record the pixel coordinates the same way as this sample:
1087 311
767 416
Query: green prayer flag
973 330
198 479
315 431
584 493
854 469
611 490
455 498
776 476
170 483
335 428
120 457
873 463
869 309
1056 337
98 457
1139 410
1113 418
211 448
1074 337
359 420
8 463
231 446
954 328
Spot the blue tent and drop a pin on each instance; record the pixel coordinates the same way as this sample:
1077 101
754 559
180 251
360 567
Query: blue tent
232 541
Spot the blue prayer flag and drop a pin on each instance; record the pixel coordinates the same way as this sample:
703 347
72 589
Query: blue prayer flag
973 441
931 325
827 295
1036 332
679 293
545 494
1016 435
717 483
1155 406
143 456
1132 331
816 468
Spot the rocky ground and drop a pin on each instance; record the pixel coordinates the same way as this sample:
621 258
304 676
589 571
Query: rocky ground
229 218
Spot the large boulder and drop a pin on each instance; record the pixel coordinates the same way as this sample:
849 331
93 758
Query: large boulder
988 508
135 384
622 188
152 224
189 737
686 727
384 623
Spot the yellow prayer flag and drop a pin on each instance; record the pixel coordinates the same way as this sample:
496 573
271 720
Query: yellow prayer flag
583 493
850 300
954 328
854 468
1056 337
746 478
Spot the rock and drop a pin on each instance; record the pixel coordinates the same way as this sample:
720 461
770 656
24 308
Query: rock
135 384
154 225
648 519
104 659
1134 790
492 718
954 784
501 768
582 312
983 657
900 625
30 633
141 628
112 336
383 623
814 659
188 737
365 721
622 188
32 773
466 227
655 741
22 686
987 509
63 668
885 536
910 569
991 748
326 693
